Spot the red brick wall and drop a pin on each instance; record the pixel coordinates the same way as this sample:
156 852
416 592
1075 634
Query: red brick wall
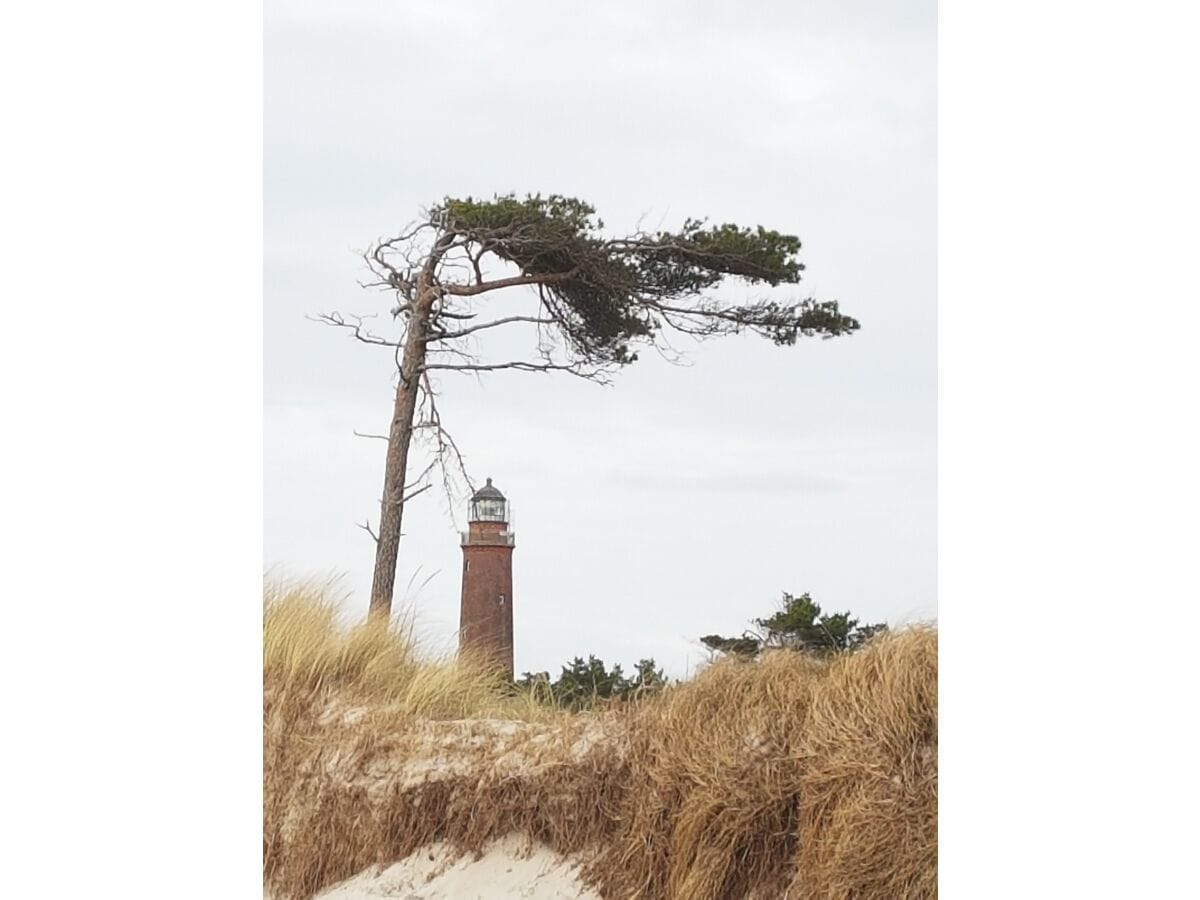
486 624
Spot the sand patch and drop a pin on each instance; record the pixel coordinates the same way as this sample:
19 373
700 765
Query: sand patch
507 869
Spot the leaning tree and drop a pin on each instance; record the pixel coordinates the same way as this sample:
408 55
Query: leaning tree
594 298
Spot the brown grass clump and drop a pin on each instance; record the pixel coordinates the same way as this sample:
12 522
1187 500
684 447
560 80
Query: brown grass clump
785 777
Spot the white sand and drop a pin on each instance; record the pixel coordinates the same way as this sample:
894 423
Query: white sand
506 870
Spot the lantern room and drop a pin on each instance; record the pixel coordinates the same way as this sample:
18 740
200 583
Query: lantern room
488 505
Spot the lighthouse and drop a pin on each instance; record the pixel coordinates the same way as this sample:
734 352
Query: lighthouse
486 618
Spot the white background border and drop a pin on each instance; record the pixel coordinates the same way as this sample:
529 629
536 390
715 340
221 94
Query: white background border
132 494
1068 449
132 355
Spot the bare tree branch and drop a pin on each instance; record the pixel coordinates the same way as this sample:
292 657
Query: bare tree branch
424 474
419 490
463 332
356 329
456 352
591 373
516 281
449 314
446 445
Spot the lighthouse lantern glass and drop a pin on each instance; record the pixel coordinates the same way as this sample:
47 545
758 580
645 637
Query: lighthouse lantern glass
489 509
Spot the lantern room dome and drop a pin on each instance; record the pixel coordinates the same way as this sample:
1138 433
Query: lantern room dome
487 492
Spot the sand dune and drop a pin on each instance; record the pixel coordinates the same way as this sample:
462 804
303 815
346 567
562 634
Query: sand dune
508 868
789 776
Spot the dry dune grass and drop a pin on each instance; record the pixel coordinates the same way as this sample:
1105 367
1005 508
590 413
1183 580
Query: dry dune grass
789 777
308 658
786 777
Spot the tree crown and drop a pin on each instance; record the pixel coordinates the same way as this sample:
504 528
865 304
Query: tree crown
583 684
598 295
798 624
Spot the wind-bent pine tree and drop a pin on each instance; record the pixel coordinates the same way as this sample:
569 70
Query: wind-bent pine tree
598 299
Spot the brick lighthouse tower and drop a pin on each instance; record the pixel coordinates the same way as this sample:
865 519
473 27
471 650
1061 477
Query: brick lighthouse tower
486 620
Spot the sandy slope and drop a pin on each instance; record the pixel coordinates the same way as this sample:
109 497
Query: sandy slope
505 870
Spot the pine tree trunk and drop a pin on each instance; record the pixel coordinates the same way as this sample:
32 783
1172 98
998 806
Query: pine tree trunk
391 511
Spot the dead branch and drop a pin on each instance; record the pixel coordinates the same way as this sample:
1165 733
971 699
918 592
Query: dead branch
463 332
355 327
419 490
471 290
590 372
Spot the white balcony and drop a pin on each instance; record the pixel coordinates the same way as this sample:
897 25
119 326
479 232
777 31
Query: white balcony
500 539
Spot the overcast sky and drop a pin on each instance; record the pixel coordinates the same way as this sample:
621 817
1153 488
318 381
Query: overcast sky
680 501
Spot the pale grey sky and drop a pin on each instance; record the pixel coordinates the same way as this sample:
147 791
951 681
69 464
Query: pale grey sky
681 500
